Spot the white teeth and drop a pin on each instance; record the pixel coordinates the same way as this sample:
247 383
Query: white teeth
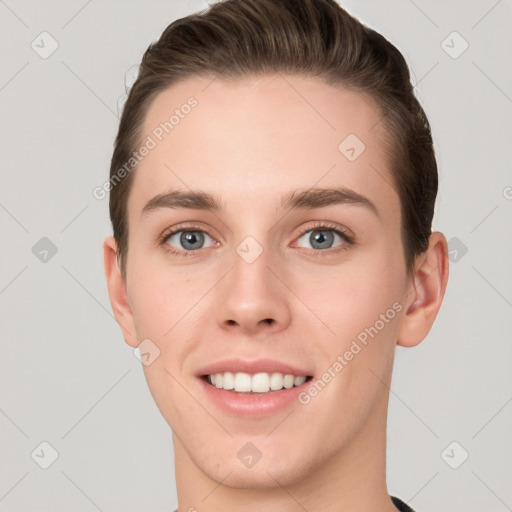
243 382
260 383
299 380
257 383
288 381
276 381
228 381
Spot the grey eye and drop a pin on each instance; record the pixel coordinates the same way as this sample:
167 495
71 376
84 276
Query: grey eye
189 240
320 238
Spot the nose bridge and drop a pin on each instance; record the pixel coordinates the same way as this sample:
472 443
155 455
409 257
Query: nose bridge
252 247
252 295
250 274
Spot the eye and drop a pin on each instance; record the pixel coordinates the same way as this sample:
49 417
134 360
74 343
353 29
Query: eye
184 241
323 237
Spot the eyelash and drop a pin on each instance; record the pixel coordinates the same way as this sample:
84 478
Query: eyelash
318 226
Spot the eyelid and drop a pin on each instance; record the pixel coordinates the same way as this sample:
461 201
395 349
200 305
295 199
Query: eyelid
343 232
328 226
183 227
187 226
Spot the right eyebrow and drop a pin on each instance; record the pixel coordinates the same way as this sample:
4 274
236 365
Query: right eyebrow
196 200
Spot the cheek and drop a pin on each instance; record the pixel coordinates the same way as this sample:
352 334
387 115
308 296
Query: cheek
349 298
357 358
156 301
362 307
168 307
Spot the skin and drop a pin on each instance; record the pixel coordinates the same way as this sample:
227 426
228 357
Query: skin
250 142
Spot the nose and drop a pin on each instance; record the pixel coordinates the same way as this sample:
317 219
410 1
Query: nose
252 297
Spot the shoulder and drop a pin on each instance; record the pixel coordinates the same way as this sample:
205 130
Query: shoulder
400 505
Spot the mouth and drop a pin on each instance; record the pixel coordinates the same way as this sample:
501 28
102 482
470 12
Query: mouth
255 384
251 389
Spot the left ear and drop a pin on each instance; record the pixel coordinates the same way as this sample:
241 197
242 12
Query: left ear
426 293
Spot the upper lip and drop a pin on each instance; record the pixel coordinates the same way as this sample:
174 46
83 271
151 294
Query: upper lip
235 365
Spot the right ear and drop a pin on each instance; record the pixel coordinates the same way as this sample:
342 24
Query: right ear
117 292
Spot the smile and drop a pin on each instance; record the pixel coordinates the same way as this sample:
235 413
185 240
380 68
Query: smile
262 382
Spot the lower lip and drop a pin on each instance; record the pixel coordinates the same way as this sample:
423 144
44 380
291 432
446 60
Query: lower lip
253 405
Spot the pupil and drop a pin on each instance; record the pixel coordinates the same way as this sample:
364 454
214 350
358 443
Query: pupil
190 237
321 238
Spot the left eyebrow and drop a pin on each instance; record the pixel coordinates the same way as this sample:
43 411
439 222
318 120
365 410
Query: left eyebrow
321 197
295 200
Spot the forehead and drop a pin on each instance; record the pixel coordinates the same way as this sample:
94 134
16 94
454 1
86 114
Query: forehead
249 139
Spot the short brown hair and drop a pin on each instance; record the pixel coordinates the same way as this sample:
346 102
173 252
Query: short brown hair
317 38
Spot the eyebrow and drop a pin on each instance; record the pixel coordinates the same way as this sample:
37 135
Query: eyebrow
295 200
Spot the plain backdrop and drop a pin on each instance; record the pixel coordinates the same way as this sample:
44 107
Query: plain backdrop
72 393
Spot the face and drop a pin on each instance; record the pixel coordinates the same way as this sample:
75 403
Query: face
315 282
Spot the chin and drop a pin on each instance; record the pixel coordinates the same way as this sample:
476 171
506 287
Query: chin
260 477
273 469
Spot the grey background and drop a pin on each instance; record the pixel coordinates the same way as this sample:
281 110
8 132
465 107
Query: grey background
67 377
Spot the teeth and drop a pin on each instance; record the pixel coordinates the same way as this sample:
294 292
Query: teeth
276 381
228 380
260 383
256 383
243 382
299 380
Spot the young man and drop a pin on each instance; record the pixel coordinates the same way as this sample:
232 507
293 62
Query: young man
272 192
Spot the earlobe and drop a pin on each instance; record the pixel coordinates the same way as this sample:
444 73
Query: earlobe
425 297
117 292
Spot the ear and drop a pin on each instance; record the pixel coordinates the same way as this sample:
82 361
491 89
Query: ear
426 292
117 292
